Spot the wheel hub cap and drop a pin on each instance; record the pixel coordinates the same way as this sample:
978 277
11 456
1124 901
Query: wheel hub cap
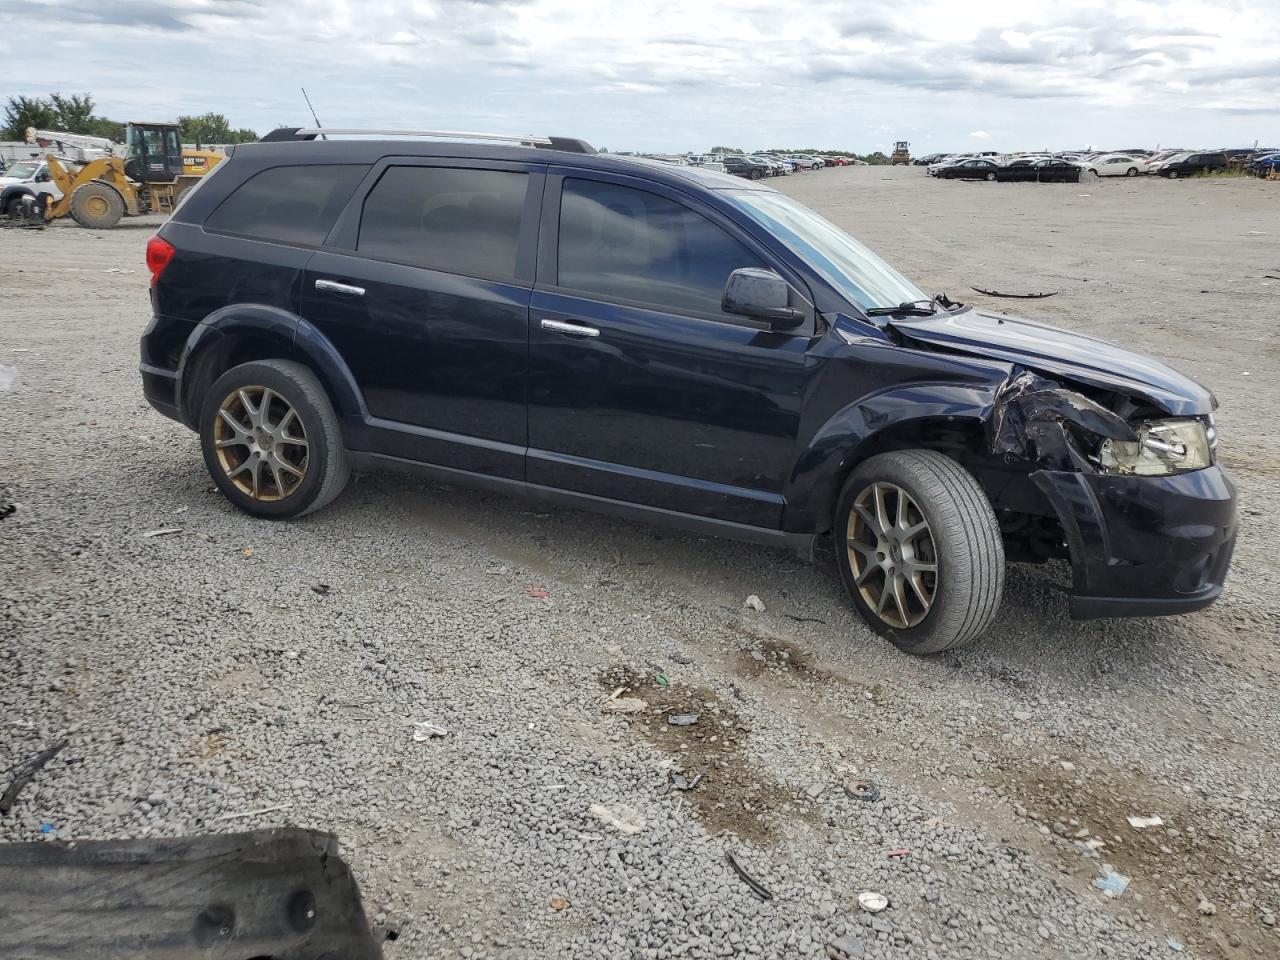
261 443
892 555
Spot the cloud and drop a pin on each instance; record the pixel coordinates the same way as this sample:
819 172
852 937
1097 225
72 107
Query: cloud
980 135
663 75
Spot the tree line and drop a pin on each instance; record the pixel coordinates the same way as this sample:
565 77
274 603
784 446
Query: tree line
75 114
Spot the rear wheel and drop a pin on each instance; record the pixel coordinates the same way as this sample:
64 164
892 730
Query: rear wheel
97 205
1131 172
755 174
991 176
1172 174
271 440
919 550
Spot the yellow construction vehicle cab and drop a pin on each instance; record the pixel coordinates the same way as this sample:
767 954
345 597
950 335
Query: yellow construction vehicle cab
107 181
901 153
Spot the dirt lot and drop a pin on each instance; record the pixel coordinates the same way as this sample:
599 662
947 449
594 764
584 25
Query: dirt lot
237 665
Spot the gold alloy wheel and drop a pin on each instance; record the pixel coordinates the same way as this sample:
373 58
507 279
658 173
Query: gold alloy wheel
261 443
892 555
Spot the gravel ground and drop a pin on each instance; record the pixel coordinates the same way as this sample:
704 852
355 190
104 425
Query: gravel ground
239 665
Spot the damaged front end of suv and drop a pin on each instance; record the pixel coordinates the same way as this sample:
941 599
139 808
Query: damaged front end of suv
1147 518
1120 452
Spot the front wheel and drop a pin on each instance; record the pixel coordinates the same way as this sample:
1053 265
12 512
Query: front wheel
919 550
755 174
271 440
1131 172
991 176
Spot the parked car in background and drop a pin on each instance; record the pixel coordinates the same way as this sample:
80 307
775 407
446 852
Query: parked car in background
776 167
1040 170
948 161
807 161
975 168
788 166
1193 163
1118 165
1265 164
22 179
749 167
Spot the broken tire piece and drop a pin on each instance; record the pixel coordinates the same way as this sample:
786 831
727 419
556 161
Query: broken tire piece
863 790
26 773
1014 296
759 889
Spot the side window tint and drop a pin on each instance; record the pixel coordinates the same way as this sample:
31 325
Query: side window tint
454 220
288 204
619 243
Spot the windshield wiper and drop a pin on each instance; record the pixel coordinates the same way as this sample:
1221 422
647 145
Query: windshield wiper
915 308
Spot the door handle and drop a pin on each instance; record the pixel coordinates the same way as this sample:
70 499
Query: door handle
345 289
573 329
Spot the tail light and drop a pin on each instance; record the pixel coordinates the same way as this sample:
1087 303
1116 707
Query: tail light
159 252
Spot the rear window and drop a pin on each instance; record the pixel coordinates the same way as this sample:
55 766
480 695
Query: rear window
297 205
455 220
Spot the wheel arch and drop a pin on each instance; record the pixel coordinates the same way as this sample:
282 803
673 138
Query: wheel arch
938 417
239 334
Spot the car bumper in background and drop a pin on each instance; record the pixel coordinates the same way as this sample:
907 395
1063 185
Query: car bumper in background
1144 546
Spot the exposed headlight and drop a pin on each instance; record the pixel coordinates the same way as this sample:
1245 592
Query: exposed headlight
1163 447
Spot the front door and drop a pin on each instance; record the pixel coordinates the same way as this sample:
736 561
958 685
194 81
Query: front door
640 388
424 291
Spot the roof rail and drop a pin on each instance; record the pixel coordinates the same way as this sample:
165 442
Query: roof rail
546 143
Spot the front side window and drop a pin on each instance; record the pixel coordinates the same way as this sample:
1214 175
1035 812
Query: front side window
288 204
619 243
455 220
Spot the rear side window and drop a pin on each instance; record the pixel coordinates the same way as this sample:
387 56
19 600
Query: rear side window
288 204
461 221
618 243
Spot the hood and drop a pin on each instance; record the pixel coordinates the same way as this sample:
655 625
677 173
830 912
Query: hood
9 181
1088 360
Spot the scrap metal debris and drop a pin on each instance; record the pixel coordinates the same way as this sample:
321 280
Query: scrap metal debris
682 719
620 816
872 902
678 780
163 532
1141 823
282 893
759 889
1014 296
25 773
425 730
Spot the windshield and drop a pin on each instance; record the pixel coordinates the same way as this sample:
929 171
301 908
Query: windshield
21 171
856 272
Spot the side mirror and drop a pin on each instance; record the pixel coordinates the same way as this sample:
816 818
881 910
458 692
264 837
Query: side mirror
762 294
42 178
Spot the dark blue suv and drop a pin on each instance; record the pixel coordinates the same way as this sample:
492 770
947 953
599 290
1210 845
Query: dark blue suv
667 343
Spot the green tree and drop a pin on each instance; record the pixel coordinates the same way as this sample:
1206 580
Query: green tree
212 128
22 112
74 113
725 150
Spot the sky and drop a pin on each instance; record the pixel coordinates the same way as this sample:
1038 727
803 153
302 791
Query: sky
654 75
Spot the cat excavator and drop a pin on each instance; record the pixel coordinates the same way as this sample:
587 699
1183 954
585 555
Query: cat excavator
99 181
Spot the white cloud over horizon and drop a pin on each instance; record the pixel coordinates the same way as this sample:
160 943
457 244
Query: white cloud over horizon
656 75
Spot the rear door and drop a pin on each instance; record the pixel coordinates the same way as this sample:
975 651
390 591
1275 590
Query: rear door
424 289
640 388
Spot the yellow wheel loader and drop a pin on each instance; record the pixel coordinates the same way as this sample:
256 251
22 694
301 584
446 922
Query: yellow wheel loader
98 181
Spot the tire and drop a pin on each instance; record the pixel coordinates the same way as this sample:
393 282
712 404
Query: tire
991 176
1172 174
961 540
1131 172
306 476
97 205
755 174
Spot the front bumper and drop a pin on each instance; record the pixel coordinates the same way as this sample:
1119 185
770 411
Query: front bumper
1144 546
